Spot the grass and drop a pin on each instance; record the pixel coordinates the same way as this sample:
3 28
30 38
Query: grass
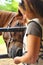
1 40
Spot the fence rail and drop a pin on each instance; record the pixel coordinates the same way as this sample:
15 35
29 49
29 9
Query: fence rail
12 29
4 56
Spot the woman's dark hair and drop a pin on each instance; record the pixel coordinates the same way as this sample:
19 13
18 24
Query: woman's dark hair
38 6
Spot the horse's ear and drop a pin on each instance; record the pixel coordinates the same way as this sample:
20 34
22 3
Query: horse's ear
19 12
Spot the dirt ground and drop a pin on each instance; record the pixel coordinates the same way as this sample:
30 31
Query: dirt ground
7 61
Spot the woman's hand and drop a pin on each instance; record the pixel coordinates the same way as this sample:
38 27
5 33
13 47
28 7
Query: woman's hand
17 60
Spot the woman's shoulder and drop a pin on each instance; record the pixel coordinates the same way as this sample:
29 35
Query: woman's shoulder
34 27
35 20
34 23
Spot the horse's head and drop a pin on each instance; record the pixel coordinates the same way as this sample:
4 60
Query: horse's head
14 40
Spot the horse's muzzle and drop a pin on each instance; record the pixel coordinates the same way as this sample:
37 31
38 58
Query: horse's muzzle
15 51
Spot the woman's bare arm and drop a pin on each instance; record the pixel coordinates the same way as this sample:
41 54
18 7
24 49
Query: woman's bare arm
33 46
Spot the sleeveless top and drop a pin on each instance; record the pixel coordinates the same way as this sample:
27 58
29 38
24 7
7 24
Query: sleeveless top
33 28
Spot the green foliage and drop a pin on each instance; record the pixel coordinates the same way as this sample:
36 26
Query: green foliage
11 6
1 40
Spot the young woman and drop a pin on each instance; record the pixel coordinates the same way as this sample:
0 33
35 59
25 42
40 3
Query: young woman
32 10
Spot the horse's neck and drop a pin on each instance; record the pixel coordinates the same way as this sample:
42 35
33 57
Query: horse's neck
5 18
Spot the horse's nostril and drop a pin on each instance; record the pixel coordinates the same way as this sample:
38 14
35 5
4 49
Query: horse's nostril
19 52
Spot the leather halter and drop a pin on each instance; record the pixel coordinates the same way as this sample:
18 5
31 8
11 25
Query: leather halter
12 39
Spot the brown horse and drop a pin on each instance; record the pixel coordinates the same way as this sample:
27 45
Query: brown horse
13 40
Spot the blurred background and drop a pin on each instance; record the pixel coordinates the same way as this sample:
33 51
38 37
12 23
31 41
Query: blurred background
9 5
